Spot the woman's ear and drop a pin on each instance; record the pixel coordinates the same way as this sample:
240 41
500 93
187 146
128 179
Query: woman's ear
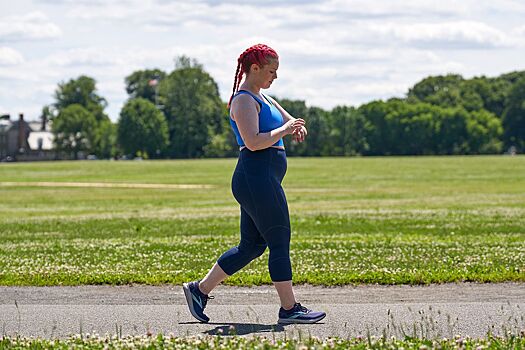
254 67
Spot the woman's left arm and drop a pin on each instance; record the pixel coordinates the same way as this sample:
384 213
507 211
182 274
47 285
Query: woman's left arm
299 137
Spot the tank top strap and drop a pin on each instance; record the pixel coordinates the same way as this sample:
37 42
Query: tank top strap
251 94
267 99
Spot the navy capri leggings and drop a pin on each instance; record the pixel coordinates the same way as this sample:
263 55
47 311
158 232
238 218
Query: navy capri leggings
265 222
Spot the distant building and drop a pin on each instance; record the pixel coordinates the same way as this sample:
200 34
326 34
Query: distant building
21 140
40 140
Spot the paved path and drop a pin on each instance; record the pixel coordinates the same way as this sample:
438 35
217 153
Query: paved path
436 310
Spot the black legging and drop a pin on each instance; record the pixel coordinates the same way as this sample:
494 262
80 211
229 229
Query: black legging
256 185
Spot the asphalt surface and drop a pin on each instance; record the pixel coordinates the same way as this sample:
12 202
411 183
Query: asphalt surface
444 310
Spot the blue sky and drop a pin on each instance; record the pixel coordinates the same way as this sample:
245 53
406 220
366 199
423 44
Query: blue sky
332 52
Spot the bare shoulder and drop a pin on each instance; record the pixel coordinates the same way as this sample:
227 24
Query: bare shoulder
242 99
243 104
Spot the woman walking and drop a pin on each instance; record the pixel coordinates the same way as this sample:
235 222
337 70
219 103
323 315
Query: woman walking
259 124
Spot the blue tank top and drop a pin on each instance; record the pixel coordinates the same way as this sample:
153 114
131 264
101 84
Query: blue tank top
269 118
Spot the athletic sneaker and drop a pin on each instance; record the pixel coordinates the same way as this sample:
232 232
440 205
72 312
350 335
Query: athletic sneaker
196 300
300 314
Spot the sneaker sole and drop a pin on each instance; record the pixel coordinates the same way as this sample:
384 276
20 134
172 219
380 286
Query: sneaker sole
295 320
189 300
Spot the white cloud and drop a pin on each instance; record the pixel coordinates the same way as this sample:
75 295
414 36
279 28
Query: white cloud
31 26
257 2
21 75
363 9
85 57
10 57
390 73
448 35
501 6
519 31
76 2
125 10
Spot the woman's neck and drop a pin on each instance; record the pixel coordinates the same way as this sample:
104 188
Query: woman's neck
250 87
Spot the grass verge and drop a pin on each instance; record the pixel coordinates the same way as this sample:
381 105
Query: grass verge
226 342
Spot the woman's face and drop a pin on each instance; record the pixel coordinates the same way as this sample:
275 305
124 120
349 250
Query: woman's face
266 74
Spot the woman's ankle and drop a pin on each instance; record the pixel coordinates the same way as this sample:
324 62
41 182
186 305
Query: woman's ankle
203 289
288 307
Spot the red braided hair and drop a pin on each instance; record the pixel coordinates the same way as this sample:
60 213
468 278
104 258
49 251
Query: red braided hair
259 54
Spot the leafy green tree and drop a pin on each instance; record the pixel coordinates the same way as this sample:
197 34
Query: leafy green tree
316 124
439 90
495 91
399 127
495 100
73 129
512 77
459 131
142 129
453 91
376 129
144 84
451 131
222 144
106 139
472 94
484 132
410 127
82 91
193 108
318 134
297 109
514 117
347 135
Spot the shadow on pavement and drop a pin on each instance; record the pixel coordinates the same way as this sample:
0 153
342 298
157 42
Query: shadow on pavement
243 328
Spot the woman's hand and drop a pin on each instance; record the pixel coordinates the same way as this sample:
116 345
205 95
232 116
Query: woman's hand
300 134
293 126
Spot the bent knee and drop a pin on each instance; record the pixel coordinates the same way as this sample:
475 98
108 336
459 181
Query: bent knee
258 250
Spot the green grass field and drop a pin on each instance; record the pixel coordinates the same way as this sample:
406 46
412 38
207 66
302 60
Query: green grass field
354 220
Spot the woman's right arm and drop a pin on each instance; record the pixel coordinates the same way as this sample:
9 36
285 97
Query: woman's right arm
244 111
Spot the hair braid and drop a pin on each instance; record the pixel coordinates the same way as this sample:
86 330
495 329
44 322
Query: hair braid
257 54
236 82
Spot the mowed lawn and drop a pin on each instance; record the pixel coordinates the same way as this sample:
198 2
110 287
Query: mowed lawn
354 220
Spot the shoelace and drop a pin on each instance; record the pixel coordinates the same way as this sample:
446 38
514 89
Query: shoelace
299 307
205 299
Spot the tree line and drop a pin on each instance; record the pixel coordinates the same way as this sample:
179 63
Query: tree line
180 115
